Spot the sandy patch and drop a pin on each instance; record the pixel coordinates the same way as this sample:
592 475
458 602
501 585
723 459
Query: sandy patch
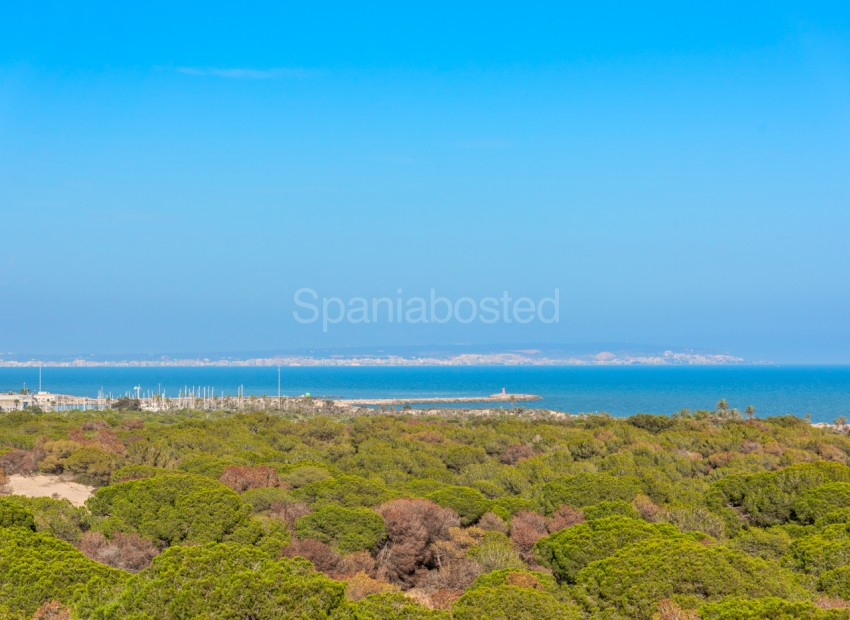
49 486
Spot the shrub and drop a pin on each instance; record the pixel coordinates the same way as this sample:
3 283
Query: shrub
468 503
136 472
171 509
302 475
652 423
320 554
526 529
696 519
836 582
54 516
13 514
129 552
517 577
770 544
348 491
817 503
635 578
512 603
225 580
769 608
564 516
456 457
587 489
495 552
492 522
821 552
413 525
52 610
36 568
244 477
768 498
569 551
345 529
91 465
609 509
393 605
506 507
263 500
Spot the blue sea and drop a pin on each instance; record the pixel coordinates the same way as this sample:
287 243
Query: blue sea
822 391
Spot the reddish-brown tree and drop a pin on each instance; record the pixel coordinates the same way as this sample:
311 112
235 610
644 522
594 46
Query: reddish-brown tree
52 610
244 477
289 512
357 563
413 525
321 555
526 529
565 516
129 552
514 454
491 522
361 585
17 461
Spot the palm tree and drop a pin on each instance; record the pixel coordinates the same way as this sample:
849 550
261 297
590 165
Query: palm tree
721 410
750 412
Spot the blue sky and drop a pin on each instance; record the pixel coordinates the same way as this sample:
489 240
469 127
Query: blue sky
170 175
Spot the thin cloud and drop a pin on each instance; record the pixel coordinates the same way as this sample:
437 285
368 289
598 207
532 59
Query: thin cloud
241 73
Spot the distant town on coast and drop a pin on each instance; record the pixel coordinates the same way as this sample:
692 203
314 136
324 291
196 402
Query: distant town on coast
453 355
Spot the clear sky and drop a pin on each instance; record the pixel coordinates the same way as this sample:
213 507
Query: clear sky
171 172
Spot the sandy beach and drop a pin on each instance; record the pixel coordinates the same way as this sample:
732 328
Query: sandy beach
49 486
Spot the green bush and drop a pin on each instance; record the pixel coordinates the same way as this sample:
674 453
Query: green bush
821 552
568 551
770 544
468 503
506 507
836 582
587 489
610 509
652 423
391 605
421 487
769 498
225 580
263 499
842 515
516 577
770 608
13 514
136 472
207 465
345 529
348 491
495 552
171 509
54 516
633 580
36 568
91 465
297 476
513 603
817 503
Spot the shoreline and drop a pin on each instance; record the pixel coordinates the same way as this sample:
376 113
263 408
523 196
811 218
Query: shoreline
438 400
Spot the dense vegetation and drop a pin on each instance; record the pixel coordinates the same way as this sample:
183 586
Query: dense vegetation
265 515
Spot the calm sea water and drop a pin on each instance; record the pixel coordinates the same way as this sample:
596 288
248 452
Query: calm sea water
823 391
